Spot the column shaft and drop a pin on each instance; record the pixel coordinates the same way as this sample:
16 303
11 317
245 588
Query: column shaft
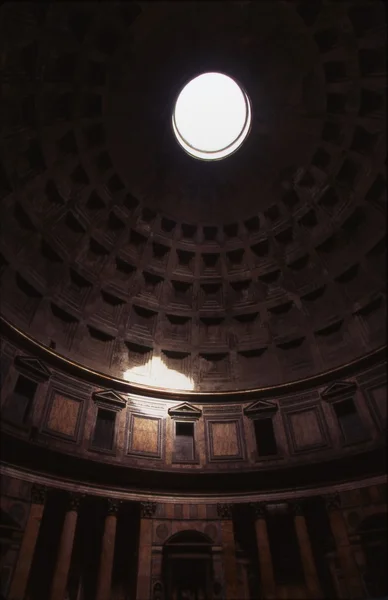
229 551
308 562
147 510
345 554
265 559
107 554
26 553
144 565
230 563
59 583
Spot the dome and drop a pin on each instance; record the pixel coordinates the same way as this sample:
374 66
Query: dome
136 260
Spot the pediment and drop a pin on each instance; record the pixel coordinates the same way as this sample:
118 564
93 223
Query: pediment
185 410
109 399
32 366
338 389
261 407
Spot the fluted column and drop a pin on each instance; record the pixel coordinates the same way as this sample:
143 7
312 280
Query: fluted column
59 583
229 551
306 552
107 551
264 551
147 511
27 548
351 573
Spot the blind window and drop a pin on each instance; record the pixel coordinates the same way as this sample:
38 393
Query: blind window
19 404
104 429
184 441
349 420
265 437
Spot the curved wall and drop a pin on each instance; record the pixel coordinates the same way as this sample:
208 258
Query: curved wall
337 426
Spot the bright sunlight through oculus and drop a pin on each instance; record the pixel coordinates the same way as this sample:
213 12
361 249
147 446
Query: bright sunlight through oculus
212 116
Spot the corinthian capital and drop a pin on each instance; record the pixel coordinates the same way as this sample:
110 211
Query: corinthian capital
74 500
147 509
38 494
113 506
332 501
259 509
224 511
296 507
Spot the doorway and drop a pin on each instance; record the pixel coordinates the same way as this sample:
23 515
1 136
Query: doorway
187 567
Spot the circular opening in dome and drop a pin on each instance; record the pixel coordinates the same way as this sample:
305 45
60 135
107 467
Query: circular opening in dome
212 116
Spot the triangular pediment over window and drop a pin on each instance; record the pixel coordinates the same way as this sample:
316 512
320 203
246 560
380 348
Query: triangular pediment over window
338 389
110 400
185 410
33 367
261 408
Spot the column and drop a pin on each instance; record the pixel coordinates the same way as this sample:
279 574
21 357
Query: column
147 511
306 552
26 553
267 577
229 551
59 583
351 573
107 551
214 588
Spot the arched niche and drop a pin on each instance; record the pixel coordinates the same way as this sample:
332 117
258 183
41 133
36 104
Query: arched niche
187 566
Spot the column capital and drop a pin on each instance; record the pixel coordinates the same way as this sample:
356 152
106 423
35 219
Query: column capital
332 501
224 511
296 507
38 493
259 509
74 500
147 510
112 506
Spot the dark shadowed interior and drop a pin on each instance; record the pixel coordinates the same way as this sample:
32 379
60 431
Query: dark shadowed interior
193 352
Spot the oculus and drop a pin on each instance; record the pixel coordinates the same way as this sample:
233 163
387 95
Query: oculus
212 116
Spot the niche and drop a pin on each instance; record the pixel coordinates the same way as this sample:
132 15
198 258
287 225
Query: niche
184 441
349 421
18 407
104 429
265 437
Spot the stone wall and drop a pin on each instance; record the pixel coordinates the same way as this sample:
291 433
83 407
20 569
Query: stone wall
63 412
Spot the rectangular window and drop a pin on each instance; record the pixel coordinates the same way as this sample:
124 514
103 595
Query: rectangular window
184 441
349 420
105 429
265 437
20 401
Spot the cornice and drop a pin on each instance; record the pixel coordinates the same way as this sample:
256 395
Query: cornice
176 498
